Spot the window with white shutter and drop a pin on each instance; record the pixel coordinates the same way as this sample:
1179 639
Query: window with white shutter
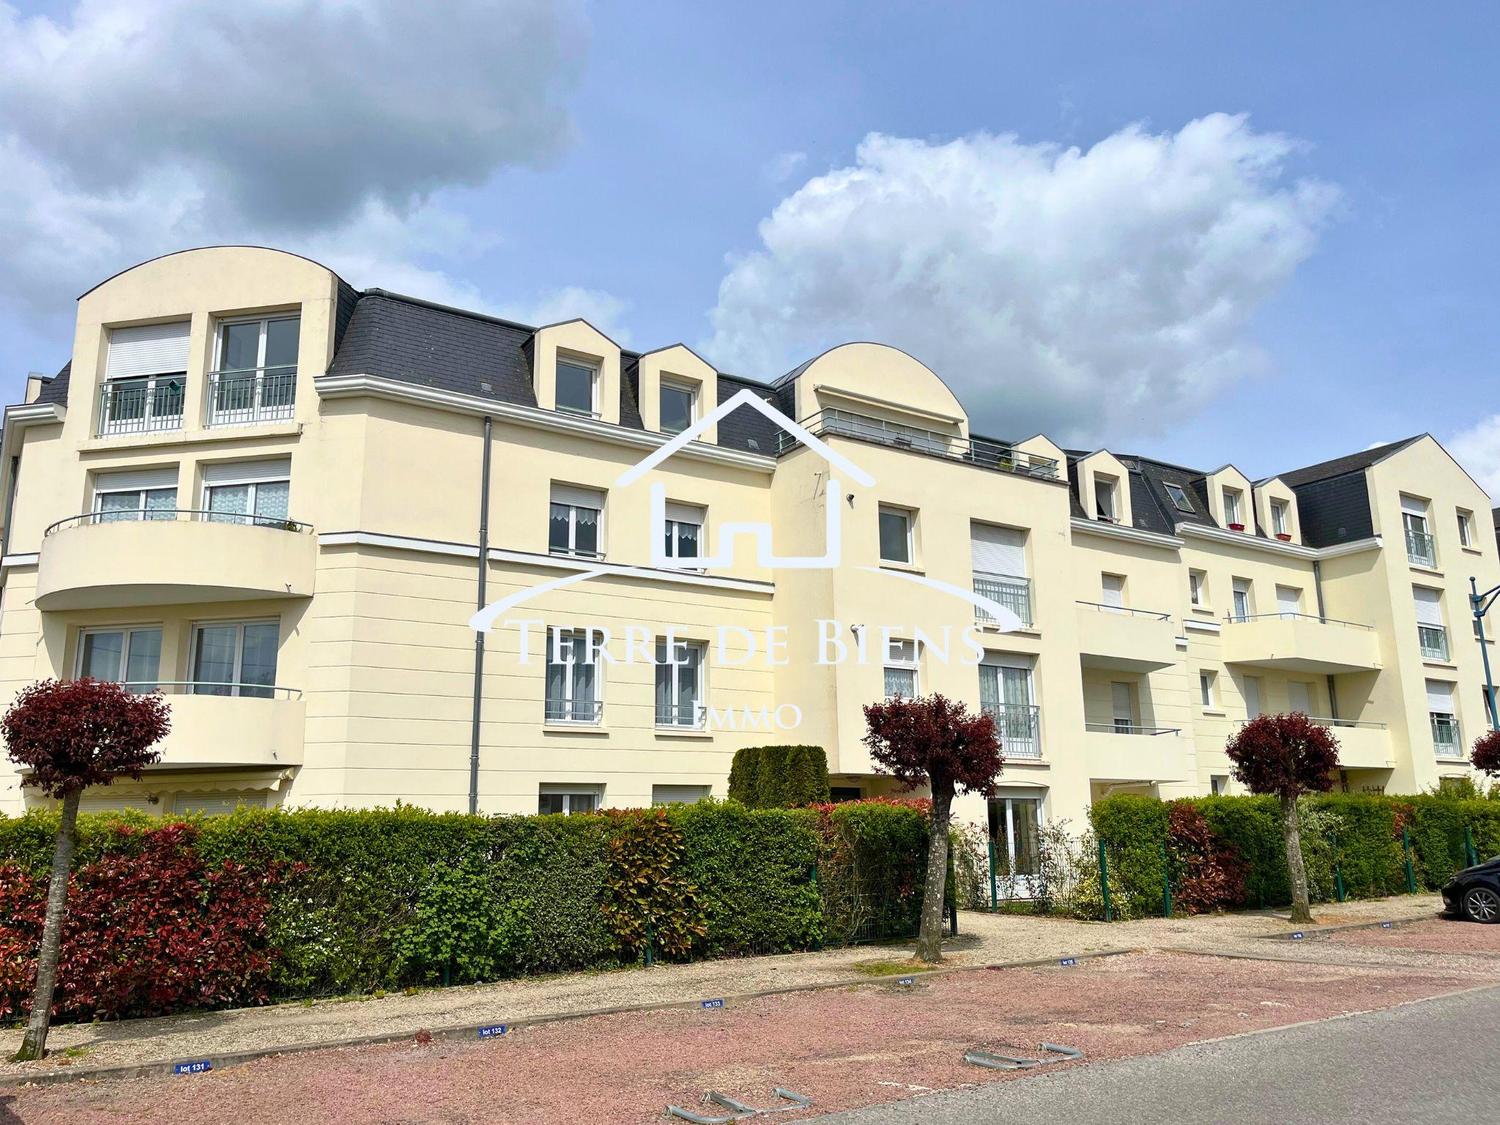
145 379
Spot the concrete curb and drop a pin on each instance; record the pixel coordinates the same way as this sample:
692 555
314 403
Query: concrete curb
1312 932
161 1068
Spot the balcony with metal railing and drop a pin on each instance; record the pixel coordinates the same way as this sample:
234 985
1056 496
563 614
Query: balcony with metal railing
1122 638
1126 750
1300 642
168 556
1011 591
1433 641
1447 742
140 405
250 396
1019 727
974 451
1421 549
1363 744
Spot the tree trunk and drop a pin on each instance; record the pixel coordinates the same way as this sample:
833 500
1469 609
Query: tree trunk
930 935
1292 829
34 1045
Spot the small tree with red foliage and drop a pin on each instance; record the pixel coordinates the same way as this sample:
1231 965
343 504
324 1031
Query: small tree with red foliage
1286 756
934 740
71 735
1486 753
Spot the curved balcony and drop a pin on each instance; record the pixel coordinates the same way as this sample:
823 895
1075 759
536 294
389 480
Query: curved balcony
164 557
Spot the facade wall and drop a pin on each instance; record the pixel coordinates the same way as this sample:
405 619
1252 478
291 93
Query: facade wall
377 659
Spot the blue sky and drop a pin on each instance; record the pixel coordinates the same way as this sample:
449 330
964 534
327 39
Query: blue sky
1314 277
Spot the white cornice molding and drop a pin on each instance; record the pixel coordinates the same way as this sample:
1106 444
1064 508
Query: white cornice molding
1353 547
1275 546
34 413
547 562
1130 534
19 560
345 386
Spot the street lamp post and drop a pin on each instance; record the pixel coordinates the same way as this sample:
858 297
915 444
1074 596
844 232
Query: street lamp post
1480 604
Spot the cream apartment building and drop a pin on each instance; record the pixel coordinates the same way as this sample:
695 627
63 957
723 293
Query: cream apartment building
280 500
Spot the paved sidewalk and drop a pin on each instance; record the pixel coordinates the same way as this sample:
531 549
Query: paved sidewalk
984 939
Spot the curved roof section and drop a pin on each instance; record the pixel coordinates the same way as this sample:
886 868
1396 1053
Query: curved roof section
212 246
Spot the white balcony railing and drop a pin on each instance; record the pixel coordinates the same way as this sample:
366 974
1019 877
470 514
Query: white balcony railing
1420 548
141 406
681 716
1433 640
1009 590
585 712
240 398
1019 727
1446 740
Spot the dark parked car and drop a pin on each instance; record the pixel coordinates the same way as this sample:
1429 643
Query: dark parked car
1475 892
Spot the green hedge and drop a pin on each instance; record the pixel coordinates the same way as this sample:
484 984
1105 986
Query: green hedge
393 897
779 777
1358 836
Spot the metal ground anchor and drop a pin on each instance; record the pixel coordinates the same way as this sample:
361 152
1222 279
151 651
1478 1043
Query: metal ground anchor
992 1060
738 1110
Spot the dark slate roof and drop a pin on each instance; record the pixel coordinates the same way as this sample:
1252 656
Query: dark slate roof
430 345
1355 462
55 389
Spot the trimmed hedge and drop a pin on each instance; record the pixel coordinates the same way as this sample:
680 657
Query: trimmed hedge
365 900
779 777
1359 836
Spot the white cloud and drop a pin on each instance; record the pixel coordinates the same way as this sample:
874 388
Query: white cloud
1477 449
604 311
328 127
783 165
1055 289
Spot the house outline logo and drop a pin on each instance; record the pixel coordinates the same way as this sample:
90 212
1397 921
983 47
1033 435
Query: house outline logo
999 616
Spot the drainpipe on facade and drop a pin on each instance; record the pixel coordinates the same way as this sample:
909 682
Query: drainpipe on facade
10 504
484 570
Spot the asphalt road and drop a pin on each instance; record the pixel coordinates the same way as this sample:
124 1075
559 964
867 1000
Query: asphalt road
1435 1061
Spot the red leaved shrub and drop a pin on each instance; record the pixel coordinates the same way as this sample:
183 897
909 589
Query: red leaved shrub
150 929
1486 753
1210 874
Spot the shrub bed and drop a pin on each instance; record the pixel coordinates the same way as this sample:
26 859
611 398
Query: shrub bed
1241 857
167 914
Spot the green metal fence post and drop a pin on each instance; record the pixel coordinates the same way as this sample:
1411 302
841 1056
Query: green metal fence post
1411 872
1338 872
952 896
1166 883
994 881
1104 882
1471 854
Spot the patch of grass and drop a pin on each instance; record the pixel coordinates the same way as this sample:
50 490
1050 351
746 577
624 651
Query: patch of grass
77 1051
890 968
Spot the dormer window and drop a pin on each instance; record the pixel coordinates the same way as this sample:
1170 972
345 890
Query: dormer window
577 388
677 407
1105 505
1233 519
1280 525
1178 496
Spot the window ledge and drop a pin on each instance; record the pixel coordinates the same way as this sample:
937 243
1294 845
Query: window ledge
1205 610
1214 713
1471 550
683 732
908 568
1420 569
1446 665
574 728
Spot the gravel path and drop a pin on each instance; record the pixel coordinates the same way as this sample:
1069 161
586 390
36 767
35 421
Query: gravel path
985 939
846 1047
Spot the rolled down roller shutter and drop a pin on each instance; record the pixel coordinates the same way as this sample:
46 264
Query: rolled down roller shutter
684 513
580 497
997 550
148 349
116 802
247 472
1440 697
1288 600
1429 605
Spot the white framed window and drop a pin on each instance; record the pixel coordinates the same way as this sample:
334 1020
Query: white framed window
578 387
569 800
248 492
1005 695
235 658
1218 784
1124 706
1178 495
1254 694
1197 588
1443 719
255 370
1288 601
124 655
1106 503
679 683
1280 524
1465 528
1243 603
1112 590
1421 549
1299 697
1208 690
575 682
896 535
148 494
576 521
1233 518
679 794
678 404
683 531
145 379
998 558
1432 631
901 678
